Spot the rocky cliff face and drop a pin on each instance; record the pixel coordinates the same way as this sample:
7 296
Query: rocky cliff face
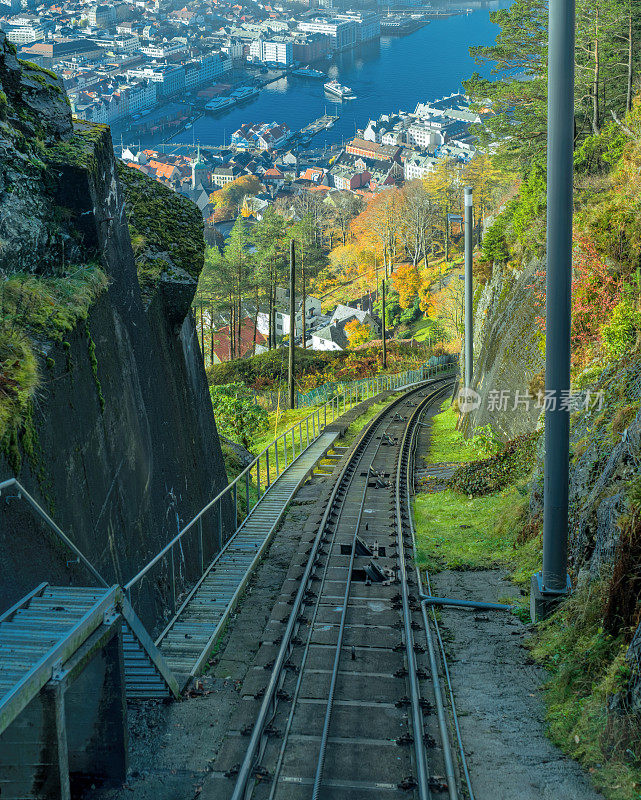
507 349
104 409
605 435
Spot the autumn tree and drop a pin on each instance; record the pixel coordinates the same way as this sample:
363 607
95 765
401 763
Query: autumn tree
419 210
345 206
229 200
378 227
406 281
357 333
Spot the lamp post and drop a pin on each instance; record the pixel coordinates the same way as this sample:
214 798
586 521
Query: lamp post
552 583
292 321
469 335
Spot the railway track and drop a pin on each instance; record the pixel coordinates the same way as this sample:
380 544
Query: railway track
348 709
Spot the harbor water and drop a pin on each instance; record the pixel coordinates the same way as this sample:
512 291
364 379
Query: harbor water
395 73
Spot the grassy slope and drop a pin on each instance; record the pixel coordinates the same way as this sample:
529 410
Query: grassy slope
457 532
587 665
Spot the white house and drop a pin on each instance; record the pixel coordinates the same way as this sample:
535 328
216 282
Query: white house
312 312
334 336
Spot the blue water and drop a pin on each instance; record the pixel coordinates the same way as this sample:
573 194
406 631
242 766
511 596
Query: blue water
394 74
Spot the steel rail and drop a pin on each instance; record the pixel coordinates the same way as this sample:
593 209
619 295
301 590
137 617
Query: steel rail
438 694
318 777
299 680
243 789
424 792
422 773
450 772
255 748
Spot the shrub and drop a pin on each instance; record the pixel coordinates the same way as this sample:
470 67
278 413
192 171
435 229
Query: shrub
237 415
484 440
619 334
495 247
489 475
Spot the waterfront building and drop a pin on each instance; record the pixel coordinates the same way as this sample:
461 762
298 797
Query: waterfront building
261 135
310 47
343 33
368 24
277 50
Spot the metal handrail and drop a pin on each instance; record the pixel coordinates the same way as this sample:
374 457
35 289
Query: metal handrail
23 494
349 397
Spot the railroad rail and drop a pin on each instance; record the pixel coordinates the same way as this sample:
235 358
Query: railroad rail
342 715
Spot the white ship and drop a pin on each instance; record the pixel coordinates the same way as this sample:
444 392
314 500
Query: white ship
308 72
337 89
245 93
220 104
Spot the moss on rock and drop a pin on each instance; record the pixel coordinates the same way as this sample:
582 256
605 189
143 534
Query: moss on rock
166 231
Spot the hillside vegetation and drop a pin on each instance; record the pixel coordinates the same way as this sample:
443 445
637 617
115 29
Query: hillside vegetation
589 646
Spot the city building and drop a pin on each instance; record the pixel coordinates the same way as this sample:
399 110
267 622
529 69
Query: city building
262 135
342 33
368 24
366 149
272 51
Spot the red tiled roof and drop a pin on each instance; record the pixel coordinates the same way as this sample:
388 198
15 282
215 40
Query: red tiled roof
247 328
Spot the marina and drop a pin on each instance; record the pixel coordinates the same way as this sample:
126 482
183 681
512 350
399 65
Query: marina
385 76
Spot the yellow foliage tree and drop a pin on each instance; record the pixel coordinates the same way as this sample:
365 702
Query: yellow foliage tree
406 281
357 333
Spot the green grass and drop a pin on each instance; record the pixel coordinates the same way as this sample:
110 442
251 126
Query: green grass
33 309
454 532
421 330
446 443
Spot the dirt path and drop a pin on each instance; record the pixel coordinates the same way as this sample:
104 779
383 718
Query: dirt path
499 699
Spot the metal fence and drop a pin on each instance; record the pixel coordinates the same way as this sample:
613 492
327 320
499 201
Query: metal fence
242 495
322 394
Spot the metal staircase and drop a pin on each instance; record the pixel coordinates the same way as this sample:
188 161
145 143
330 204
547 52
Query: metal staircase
41 633
190 636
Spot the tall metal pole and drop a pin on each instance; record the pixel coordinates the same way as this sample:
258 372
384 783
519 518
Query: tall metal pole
383 321
552 582
292 320
469 334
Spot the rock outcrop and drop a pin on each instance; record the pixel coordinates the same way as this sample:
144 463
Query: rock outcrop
507 350
116 436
